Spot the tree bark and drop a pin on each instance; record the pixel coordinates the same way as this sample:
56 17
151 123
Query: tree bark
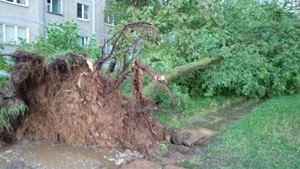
152 88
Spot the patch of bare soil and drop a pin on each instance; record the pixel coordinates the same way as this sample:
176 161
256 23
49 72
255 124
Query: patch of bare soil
72 104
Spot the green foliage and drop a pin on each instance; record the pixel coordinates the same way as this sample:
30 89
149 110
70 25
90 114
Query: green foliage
4 66
11 113
257 43
61 38
265 62
163 149
91 50
268 137
1 48
179 101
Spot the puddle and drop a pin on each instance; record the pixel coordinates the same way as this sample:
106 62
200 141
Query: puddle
47 155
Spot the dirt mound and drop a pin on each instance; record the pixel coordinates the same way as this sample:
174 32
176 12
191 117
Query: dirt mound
68 102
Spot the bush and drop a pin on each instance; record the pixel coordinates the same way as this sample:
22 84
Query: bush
61 39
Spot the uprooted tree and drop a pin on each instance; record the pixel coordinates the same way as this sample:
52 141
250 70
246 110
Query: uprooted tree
70 99
245 47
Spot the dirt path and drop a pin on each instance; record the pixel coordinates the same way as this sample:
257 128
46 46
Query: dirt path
220 119
208 125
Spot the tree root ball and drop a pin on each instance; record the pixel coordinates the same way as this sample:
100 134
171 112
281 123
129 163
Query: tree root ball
72 104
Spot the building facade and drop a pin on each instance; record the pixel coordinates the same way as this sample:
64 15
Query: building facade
27 19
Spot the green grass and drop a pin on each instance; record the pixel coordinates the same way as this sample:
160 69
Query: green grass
268 137
195 108
4 66
12 112
3 81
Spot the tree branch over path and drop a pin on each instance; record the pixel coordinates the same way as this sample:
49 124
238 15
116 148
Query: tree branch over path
151 89
157 77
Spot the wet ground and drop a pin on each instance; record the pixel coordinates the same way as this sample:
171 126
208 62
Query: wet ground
220 119
46 155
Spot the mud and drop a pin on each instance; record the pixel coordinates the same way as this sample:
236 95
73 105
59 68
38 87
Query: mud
45 155
69 103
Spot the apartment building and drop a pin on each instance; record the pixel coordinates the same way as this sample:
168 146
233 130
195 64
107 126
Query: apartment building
27 19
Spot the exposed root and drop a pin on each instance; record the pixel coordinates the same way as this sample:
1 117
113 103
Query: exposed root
72 104
69 101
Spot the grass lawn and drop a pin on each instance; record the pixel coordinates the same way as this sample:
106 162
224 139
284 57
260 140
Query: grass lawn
268 137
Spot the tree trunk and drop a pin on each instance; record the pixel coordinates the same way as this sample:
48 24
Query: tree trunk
151 89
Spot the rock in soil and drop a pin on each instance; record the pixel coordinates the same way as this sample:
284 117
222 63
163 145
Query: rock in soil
191 137
194 139
184 149
179 137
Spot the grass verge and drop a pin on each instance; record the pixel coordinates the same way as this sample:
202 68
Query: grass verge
268 137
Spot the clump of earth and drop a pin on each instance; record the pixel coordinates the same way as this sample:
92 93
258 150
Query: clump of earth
70 102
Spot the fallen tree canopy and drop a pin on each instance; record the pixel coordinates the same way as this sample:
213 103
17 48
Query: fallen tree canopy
75 105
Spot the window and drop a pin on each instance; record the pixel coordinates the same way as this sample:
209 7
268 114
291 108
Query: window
54 6
82 11
84 40
107 46
11 33
1 34
21 2
109 20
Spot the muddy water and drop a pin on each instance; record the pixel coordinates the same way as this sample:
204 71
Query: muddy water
46 155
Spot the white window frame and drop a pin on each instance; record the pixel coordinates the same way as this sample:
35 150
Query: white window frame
15 2
2 33
83 7
50 7
107 46
109 18
16 39
84 39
